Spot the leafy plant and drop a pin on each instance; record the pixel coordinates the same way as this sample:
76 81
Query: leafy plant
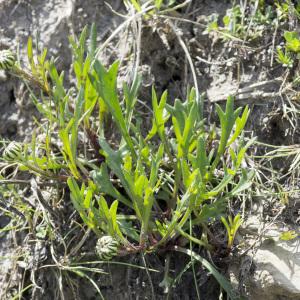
237 25
288 235
233 20
158 4
144 190
282 10
292 41
284 58
292 49
232 227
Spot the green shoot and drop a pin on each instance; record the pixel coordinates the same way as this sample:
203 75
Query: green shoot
232 227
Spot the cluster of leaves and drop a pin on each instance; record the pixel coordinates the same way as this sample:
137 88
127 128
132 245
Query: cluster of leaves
157 4
232 227
241 23
145 190
291 49
251 21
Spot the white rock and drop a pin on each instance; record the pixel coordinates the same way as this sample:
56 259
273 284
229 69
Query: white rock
277 271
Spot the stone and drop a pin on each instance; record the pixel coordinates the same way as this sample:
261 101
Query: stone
277 271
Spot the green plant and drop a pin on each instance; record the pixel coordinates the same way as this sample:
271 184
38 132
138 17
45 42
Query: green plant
284 58
288 235
282 10
291 49
292 41
233 21
158 4
237 25
232 227
143 191
232 28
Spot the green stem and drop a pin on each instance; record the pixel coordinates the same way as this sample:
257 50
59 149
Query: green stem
171 228
194 240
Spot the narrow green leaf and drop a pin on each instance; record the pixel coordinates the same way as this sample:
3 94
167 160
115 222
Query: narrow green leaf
93 41
104 208
158 3
148 203
30 55
224 283
240 124
219 188
106 86
114 160
227 120
202 161
136 5
105 185
244 183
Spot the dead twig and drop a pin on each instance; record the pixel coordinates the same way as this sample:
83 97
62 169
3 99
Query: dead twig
39 196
